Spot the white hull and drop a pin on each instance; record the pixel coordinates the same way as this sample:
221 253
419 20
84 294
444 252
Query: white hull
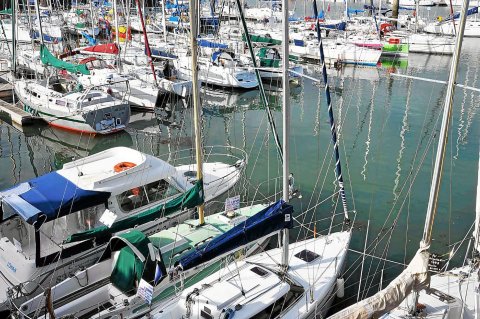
472 28
432 44
218 75
343 53
315 279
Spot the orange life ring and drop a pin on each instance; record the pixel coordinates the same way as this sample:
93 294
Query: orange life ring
122 166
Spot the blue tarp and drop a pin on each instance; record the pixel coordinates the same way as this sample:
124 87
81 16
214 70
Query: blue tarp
51 195
174 19
34 34
355 11
90 39
273 218
161 54
337 26
457 15
209 44
215 55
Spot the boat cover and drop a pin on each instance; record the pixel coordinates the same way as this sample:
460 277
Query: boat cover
456 16
193 197
260 39
210 44
51 195
157 53
48 59
107 48
130 262
91 40
414 278
273 218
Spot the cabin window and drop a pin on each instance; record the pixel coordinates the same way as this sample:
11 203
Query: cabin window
206 313
259 271
143 195
307 255
88 218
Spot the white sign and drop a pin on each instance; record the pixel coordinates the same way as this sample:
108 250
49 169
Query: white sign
145 291
232 203
108 217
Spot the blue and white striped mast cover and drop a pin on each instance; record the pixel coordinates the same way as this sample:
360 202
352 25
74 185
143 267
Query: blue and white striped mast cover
333 128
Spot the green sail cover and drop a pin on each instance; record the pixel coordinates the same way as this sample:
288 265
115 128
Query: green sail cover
6 11
193 197
48 59
260 39
128 267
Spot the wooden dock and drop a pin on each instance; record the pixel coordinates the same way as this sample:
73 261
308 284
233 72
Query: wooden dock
16 114
6 90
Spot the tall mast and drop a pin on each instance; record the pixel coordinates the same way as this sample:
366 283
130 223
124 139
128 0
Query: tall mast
164 22
333 128
91 17
443 136
196 99
477 212
37 8
286 123
147 45
117 39
14 47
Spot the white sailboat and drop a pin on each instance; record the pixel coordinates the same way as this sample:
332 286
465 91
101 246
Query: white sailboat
293 281
401 298
59 214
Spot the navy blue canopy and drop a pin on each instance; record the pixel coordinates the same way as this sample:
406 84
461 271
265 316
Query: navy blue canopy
273 218
469 12
161 54
51 195
209 44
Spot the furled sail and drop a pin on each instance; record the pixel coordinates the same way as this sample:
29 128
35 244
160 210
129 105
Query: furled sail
273 218
260 39
48 59
193 197
414 278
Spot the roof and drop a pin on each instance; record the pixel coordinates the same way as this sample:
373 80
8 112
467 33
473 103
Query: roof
50 195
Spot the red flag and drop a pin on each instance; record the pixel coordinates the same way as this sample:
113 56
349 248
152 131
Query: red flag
328 9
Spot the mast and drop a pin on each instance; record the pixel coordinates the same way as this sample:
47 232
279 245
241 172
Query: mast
286 124
417 8
147 45
416 275
117 39
443 136
91 17
476 245
164 22
333 128
37 8
196 99
14 47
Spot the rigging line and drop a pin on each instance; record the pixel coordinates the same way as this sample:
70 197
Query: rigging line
435 81
271 120
330 113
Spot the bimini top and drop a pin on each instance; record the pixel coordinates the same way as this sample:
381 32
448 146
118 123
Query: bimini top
50 195
83 183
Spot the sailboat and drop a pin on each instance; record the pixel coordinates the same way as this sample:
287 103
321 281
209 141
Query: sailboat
437 300
292 281
60 213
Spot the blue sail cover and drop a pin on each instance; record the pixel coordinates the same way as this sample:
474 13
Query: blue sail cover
273 218
157 53
337 26
457 15
91 40
51 195
209 44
